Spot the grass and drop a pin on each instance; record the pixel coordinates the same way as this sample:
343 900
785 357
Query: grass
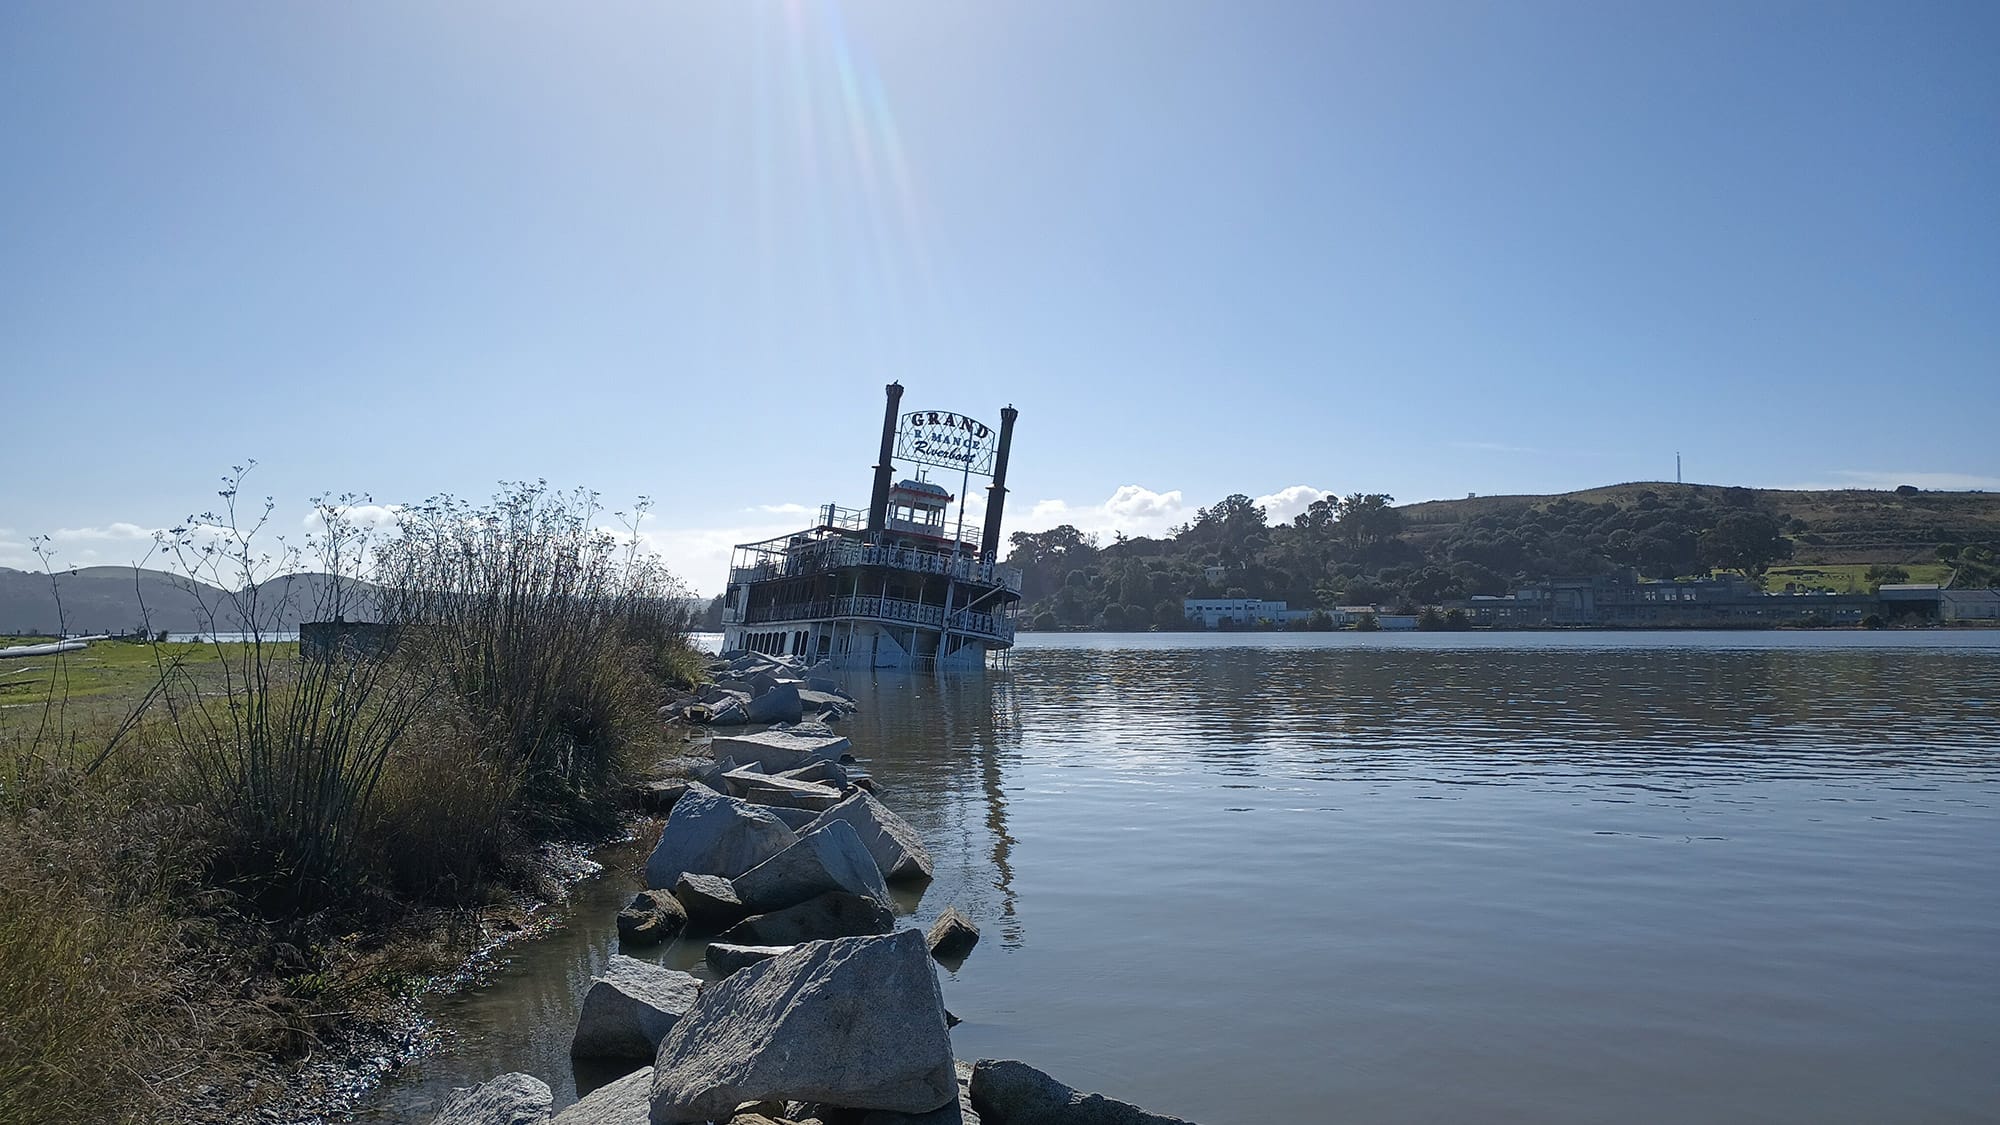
1848 578
141 894
207 851
101 683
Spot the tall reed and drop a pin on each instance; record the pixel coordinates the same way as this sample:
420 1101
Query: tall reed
542 623
292 743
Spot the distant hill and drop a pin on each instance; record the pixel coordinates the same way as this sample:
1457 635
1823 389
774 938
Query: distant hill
118 599
1365 550
1840 526
107 599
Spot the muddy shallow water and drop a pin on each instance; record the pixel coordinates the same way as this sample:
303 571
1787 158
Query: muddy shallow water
1544 877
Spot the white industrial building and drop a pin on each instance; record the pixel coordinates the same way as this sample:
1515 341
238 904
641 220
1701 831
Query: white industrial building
1244 613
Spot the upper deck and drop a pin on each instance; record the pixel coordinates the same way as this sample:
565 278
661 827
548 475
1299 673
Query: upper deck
837 542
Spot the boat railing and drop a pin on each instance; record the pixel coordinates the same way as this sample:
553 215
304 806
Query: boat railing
833 555
843 519
837 552
895 610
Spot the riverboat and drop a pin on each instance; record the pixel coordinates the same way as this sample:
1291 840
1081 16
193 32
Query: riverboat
897 585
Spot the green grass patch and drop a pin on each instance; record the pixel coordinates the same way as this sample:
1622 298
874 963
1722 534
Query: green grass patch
1846 578
100 684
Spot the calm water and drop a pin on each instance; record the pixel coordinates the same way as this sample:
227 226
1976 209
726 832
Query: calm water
1555 878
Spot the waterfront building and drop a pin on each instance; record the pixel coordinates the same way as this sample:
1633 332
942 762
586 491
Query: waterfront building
1933 602
1622 600
1969 605
1242 613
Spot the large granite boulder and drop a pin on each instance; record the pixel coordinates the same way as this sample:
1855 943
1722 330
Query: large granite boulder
710 902
652 917
779 703
819 770
857 1023
624 1102
959 1112
511 1099
725 958
710 834
630 1008
1013 1093
828 858
781 749
659 795
795 819
807 728
763 789
818 701
834 914
952 936
730 714
899 853
719 694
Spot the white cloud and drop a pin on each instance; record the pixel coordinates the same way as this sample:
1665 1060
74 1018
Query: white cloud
1137 510
373 516
114 544
1280 506
783 509
699 556
1133 509
111 533
129 544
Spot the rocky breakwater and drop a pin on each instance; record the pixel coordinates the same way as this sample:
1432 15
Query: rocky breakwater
751 687
822 1011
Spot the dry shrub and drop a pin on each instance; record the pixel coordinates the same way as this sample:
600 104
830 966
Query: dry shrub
440 820
534 618
678 663
93 967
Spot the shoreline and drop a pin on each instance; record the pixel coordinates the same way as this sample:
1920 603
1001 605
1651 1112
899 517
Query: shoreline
350 1060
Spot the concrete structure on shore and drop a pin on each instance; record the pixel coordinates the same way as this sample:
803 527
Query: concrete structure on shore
1623 600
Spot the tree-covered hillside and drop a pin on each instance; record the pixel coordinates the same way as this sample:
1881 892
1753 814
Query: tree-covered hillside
1361 549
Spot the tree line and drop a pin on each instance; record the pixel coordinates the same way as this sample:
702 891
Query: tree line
1360 549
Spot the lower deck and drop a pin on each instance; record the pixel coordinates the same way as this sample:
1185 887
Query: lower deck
855 642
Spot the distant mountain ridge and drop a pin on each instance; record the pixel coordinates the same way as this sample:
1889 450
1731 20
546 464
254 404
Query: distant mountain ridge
120 599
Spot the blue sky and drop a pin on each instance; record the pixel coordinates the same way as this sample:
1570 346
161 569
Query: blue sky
1427 249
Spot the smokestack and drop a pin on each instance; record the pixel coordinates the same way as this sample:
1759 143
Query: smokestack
885 469
996 493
